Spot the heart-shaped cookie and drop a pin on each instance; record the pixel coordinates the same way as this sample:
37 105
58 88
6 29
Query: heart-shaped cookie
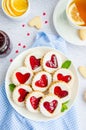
23 93
22 78
34 62
59 92
82 70
35 102
65 78
42 82
50 106
52 63
35 22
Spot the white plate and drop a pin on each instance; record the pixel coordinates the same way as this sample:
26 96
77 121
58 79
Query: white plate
62 25
18 62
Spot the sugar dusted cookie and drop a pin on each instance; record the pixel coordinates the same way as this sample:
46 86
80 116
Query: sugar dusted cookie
19 94
64 75
60 89
22 75
82 70
41 81
32 61
32 101
35 22
50 105
82 34
51 61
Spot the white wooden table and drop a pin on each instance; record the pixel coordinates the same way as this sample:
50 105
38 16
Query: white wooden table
20 32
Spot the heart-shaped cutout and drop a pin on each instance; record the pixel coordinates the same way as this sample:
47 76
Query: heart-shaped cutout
50 106
66 78
35 102
43 82
52 63
22 78
35 22
59 92
34 62
23 93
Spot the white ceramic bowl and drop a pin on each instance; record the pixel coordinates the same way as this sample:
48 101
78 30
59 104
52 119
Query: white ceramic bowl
73 24
17 18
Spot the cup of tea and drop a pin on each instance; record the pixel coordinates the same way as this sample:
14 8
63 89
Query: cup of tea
5 45
76 13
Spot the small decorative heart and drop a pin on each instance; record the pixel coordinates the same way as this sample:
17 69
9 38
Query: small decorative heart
59 92
35 63
22 78
35 101
43 82
50 106
52 63
23 93
66 78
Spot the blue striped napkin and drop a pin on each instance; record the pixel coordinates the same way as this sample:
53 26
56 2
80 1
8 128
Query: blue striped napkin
11 120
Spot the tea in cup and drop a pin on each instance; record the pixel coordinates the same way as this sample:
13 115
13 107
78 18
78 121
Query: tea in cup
76 13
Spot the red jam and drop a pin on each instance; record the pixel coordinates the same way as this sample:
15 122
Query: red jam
22 78
66 78
35 63
43 82
4 44
23 93
52 63
35 101
50 106
59 92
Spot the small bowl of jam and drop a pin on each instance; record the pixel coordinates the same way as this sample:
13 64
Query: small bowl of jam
4 44
16 9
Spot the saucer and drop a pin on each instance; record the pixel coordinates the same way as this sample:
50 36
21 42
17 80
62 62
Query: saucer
63 27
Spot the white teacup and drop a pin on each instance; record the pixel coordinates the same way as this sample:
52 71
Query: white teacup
71 21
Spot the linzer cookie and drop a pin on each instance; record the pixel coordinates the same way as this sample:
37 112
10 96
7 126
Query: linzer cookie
32 101
64 75
51 61
41 81
50 105
22 75
32 61
19 94
61 89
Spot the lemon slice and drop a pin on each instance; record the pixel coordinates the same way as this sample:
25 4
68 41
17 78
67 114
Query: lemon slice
7 7
19 6
74 15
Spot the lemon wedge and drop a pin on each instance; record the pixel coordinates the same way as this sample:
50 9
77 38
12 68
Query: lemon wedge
15 7
6 5
19 6
74 15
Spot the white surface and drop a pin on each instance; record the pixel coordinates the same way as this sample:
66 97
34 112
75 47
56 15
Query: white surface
76 53
18 62
64 27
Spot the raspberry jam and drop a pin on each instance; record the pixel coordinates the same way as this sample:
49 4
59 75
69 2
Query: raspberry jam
4 44
35 101
50 106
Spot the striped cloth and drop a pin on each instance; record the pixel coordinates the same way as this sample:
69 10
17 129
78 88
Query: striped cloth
11 120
